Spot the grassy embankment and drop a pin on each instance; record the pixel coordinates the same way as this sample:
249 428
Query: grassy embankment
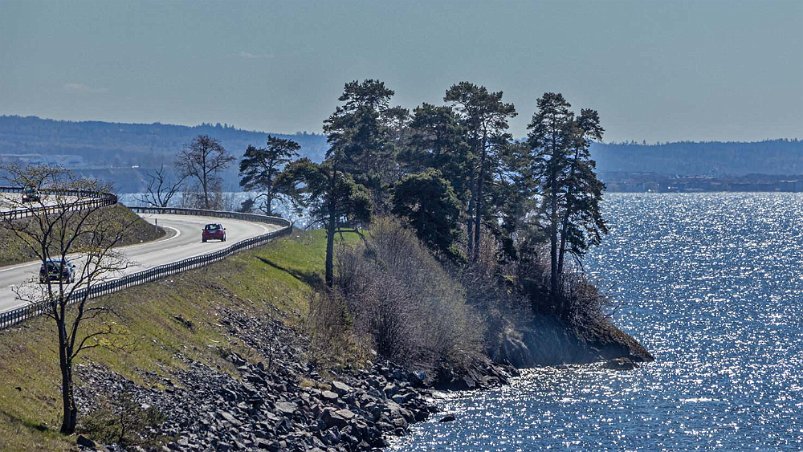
14 251
272 280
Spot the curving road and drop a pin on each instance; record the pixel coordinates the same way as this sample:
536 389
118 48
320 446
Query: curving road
183 241
13 201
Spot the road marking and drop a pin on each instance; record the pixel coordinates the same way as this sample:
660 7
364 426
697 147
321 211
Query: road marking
178 233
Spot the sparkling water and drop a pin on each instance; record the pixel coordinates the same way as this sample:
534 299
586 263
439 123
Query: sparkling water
712 285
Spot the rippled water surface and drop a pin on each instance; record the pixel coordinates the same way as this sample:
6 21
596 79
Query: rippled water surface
712 284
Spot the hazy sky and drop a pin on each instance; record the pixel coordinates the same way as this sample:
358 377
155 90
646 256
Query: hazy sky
655 70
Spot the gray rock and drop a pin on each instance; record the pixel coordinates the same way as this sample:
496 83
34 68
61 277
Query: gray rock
286 407
329 395
345 414
340 387
620 364
229 418
333 418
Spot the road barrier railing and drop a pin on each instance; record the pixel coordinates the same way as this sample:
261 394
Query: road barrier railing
20 314
84 199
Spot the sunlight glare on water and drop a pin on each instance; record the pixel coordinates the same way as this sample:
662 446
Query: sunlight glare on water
712 285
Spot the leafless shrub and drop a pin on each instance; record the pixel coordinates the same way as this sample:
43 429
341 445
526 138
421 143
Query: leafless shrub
580 303
328 325
403 299
492 289
123 421
587 306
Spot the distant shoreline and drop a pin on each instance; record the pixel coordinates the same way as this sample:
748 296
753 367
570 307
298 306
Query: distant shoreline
655 183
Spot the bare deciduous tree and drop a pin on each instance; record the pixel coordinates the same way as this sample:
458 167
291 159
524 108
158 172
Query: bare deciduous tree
202 160
162 187
74 241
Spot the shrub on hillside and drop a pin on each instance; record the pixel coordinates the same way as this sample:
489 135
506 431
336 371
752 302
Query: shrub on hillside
491 290
581 305
329 327
400 297
123 421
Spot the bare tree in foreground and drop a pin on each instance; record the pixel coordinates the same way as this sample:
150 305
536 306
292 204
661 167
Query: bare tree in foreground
75 244
162 187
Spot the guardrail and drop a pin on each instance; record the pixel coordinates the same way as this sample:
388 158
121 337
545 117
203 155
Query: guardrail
96 199
15 316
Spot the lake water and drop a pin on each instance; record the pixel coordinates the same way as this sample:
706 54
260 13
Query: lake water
712 284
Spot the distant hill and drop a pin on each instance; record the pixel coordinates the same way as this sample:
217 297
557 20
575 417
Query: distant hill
124 152
110 144
702 158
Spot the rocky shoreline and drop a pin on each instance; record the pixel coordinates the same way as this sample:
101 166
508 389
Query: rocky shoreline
278 402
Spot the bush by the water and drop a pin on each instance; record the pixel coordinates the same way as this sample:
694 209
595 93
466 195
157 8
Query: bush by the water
405 302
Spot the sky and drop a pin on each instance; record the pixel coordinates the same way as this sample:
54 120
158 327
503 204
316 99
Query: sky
654 70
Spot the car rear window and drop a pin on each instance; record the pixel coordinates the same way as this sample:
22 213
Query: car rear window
212 227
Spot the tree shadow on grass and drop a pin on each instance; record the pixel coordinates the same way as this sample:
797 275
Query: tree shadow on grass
13 419
312 279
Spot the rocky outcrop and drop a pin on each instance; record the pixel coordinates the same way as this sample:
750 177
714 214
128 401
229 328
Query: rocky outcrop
546 341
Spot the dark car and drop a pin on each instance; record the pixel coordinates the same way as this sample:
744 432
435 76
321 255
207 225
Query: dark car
57 270
213 231
30 194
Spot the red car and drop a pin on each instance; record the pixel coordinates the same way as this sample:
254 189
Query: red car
213 231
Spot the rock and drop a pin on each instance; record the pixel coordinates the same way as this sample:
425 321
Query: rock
341 388
620 364
345 414
403 397
229 417
333 418
83 441
418 378
329 395
399 422
287 408
447 418
515 352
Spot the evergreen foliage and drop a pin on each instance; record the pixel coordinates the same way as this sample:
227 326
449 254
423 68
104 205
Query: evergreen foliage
484 117
260 169
568 185
429 203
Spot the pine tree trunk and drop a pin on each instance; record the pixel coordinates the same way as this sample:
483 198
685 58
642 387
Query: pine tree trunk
470 225
269 202
478 209
330 230
553 242
567 212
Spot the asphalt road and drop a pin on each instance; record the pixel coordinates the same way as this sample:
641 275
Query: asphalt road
183 241
13 201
